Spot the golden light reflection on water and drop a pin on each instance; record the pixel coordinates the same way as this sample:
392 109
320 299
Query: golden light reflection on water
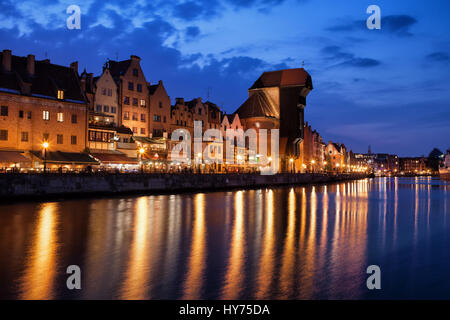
288 257
234 277
38 280
135 286
194 281
266 264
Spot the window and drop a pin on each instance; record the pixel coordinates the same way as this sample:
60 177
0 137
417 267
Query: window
29 115
130 86
199 111
59 139
135 117
109 92
178 122
4 135
74 118
105 108
4 111
46 115
60 94
135 72
73 139
156 118
185 123
113 109
142 130
143 103
135 102
165 119
24 136
142 117
20 113
139 87
60 117
134 130
126 115
126 100
104 91
46 136
98 108
160 105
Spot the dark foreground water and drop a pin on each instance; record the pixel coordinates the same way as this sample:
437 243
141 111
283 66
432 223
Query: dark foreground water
284 243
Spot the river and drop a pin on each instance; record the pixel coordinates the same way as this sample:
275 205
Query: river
302 242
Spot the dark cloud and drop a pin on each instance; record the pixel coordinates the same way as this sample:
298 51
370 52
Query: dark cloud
438 57
346 59
335 53
398 25
192 32
360 63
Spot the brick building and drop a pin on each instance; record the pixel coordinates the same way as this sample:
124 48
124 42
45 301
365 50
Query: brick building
133 94
42 102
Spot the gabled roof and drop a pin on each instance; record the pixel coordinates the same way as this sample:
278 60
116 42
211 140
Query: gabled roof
48 78
118 68
258 105
281 78
152 89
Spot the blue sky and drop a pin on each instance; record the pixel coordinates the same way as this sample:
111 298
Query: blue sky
388 88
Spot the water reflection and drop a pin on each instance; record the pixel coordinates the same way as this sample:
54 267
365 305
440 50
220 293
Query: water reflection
304 242
38 280
197 260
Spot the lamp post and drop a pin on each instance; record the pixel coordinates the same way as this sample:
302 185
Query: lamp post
291 161
199 161
45 146
141 153
312 165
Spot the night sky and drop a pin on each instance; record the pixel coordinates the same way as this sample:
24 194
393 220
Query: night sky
388 88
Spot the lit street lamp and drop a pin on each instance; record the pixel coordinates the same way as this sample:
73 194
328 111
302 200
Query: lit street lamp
291 161
45 146
141 153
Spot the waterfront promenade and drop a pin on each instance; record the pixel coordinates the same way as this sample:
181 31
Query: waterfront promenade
16 186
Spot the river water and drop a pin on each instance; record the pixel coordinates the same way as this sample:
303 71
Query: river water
304 242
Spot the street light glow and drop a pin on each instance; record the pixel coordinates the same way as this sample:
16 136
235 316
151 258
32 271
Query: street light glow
45 145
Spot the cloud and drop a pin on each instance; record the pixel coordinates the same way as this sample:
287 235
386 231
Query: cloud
438 57
398 25
346 59
192 32
360 63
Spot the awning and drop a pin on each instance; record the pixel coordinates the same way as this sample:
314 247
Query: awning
113 158
12 157
147 140
59 157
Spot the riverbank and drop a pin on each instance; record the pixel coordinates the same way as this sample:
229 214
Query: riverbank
38 186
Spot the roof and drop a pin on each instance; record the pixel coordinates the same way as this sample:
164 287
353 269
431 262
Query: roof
118 68
148 140
258 105
113 158
152 89
281 78
65 157
48 78
12 157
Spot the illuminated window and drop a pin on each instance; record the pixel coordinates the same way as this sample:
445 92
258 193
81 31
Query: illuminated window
24 136
60 117
60 94
46 115
142 103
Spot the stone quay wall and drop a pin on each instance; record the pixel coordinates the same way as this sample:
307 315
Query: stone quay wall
23 186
